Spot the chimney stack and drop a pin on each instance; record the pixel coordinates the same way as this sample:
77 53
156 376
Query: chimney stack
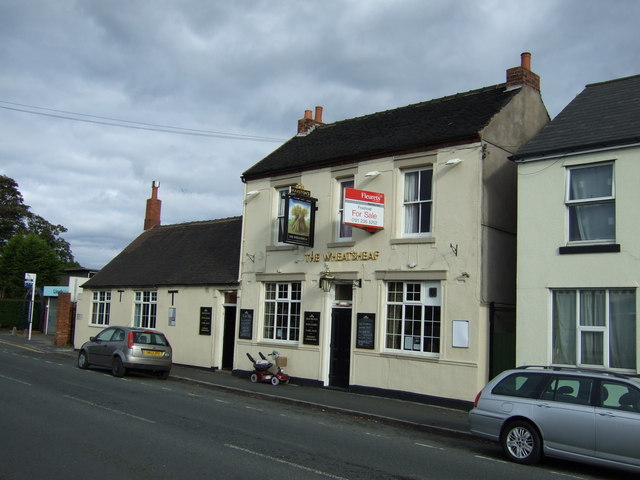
152 215
522 75
305 124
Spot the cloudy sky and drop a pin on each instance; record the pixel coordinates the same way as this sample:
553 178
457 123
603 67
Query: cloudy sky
99 98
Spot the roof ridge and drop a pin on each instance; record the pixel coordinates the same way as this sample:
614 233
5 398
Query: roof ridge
613 80
198 222
417 104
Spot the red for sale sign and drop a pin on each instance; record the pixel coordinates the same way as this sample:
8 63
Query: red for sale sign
364 209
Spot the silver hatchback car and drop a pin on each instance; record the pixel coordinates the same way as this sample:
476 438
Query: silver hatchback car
589 416
127 348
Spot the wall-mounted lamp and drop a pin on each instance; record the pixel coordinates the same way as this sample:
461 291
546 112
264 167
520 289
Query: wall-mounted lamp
372 174
357 283
252 193
453 161
326 279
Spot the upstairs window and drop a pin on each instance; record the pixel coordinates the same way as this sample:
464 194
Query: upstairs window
344 231
417 202
280 220
591 203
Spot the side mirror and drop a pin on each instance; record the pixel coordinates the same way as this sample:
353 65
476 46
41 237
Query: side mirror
92 339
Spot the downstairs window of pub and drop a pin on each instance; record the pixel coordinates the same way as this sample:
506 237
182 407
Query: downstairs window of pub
594 327
413 317
101 308
282 311
145 309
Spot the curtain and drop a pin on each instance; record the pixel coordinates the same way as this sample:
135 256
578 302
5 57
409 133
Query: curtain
564 327
411 210
622 329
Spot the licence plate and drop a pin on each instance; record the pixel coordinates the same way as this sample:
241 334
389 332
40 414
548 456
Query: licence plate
152 353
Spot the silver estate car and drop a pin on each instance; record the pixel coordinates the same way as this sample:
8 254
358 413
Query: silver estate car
589 416
127 348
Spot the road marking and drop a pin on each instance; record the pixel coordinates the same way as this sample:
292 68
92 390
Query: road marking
375 435
17 381
490 459
120 412
220 401
567 475
285 462
429 446
194 395
254 408
23 347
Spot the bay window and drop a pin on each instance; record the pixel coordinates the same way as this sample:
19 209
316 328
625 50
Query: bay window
594 327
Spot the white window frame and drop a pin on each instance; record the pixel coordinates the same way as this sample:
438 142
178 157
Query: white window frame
582 330
146 309
575 203
410 203
282 311
101 307
341 229
416 296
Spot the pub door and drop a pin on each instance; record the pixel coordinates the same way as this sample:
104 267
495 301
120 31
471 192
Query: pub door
340 351
228 340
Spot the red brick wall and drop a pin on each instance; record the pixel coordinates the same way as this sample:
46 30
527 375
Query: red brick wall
64 320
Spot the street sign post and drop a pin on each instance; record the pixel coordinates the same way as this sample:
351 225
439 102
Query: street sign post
30 282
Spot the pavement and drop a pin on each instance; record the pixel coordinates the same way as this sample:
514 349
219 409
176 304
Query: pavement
443 420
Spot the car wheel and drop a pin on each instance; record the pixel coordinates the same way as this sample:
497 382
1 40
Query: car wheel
275 381
83 361
521 442
254 377
117 368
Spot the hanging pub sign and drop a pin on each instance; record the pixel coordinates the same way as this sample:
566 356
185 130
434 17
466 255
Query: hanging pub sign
364 209
300 216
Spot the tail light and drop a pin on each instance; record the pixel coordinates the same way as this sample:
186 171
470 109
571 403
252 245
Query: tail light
130 340
475 402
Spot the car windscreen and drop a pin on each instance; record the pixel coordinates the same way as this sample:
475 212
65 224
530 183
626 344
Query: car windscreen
150 338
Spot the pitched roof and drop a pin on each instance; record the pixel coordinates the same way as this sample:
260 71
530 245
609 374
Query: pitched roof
449 120
603 115
197 253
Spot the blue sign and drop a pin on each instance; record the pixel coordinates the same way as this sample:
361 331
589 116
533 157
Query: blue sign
54 291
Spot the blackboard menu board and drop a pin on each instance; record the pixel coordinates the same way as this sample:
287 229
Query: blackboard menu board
246 324
205 320
366 331
311 328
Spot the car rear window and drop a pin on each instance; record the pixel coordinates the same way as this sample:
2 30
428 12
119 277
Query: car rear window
150 338
525 385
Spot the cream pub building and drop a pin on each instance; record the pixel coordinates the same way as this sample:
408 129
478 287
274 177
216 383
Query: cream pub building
375 249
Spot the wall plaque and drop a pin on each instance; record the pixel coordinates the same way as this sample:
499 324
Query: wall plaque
246 324
311 331
366 330
205 320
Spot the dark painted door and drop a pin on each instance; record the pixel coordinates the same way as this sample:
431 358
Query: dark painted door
229 340
340 347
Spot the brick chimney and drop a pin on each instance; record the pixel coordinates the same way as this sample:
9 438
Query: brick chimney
152 216
522 75
305 124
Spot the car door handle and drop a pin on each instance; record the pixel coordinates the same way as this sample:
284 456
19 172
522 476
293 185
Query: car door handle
544 405
606 414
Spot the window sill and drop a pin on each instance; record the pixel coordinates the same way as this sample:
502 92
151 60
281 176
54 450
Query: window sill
346 243
604 248
399 241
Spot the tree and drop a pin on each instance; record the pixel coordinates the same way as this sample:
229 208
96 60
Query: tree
13 211
16 218
28 253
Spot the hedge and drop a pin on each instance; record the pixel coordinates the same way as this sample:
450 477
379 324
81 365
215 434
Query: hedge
15 313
